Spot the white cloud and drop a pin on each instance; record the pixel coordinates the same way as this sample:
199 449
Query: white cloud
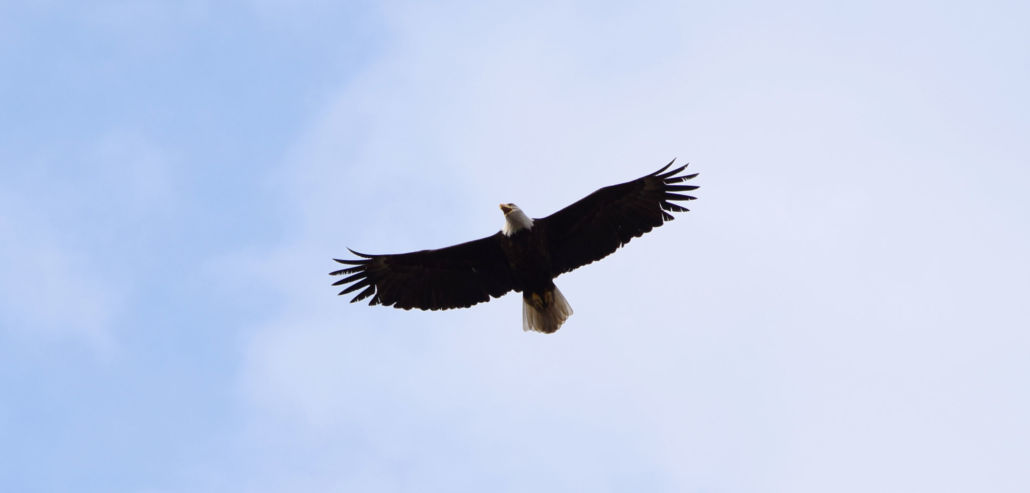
813 313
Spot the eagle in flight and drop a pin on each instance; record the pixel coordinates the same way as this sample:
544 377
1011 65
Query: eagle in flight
525 256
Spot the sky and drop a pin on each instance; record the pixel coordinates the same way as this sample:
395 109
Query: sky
844 308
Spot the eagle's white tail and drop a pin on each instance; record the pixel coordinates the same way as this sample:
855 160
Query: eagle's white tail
544 312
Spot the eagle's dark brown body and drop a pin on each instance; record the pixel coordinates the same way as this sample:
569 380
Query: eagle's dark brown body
528 260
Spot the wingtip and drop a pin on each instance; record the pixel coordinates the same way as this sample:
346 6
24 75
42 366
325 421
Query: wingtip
363 255
352 262
664 167
364 259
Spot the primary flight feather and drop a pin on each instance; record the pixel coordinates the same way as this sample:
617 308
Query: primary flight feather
525 256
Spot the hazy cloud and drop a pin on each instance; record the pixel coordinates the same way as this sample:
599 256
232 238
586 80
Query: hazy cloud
50 289
64 263
808 314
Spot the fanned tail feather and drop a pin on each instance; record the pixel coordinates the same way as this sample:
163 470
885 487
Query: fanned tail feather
544 312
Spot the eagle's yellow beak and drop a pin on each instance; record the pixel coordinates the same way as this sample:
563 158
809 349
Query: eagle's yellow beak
505 209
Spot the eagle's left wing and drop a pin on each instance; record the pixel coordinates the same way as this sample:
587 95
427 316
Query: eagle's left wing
603 221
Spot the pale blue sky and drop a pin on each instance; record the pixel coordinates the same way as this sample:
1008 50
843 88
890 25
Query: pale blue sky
845 308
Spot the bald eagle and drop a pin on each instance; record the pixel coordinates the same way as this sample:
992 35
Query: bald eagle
525 255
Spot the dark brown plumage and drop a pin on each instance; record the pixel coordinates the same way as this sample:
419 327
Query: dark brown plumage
526 256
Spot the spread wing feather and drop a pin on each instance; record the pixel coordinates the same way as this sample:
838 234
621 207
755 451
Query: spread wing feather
453 277
603 221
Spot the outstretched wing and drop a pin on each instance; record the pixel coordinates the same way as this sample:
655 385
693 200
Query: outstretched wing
454 277
603 221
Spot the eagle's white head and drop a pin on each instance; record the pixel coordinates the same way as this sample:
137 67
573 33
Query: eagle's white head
514 219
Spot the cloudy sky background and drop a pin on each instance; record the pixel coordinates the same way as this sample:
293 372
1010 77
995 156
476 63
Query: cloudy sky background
844 309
